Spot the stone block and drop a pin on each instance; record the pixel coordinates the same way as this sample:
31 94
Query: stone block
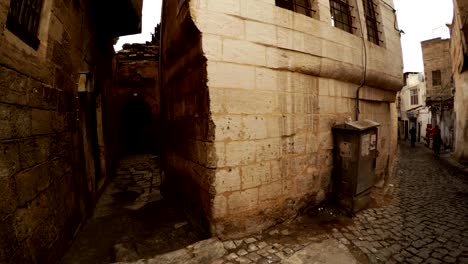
268 149
284 38
260 33
295 144
8 200
228 127
30 182
266 79
217 100
13 87
323 84
41 122
255 127
219 206
5 124
212 46
9 159
283 17
312 45
285 81
258 10
298 41
231 7
326 104
227 180
243 52
220 24
278 58
227 75
273 126
15 122
270 191
220 154
242 201
326 141
34 151
251 102
255 175
240 153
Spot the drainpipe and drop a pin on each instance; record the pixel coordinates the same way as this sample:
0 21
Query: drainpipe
364 73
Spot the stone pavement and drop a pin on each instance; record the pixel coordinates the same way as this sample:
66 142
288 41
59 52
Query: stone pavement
132 220
422 217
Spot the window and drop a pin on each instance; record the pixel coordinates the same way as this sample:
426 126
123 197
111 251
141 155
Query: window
341 15
414 96
23 20
299 6
371 21
436 78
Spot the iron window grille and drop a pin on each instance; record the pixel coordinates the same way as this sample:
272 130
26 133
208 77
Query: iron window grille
298 6
341 15
371 21
414 96
23 20
436 77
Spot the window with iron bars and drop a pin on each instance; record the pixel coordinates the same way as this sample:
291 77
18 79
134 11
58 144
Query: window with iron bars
414 96
299 6
23 20
341 15
371 21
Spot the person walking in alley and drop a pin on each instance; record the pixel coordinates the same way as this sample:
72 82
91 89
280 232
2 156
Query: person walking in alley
413 136
437 140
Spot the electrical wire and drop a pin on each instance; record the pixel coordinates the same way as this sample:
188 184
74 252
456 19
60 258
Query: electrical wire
395 17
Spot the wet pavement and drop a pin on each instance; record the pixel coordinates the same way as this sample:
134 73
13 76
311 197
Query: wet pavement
132 220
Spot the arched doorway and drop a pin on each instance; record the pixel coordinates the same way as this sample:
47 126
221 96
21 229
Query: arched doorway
136 126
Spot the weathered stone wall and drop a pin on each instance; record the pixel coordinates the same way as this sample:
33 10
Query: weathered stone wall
136 81
458 52
46 191
436 55
189 152
278 81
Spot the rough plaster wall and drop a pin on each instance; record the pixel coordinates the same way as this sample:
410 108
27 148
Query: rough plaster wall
189 158
436 56
278 82
44 188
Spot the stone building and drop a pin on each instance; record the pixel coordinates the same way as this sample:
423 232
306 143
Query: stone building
459 58
136 99
55 71
438 72
250 92
411 106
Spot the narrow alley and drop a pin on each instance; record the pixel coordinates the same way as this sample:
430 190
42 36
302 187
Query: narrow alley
132 220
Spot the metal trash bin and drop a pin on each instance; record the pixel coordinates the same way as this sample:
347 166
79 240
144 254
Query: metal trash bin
355 154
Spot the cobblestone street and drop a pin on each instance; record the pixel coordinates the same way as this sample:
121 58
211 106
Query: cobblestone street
424 221
422 217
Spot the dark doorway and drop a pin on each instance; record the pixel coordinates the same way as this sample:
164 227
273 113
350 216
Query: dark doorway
137 126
